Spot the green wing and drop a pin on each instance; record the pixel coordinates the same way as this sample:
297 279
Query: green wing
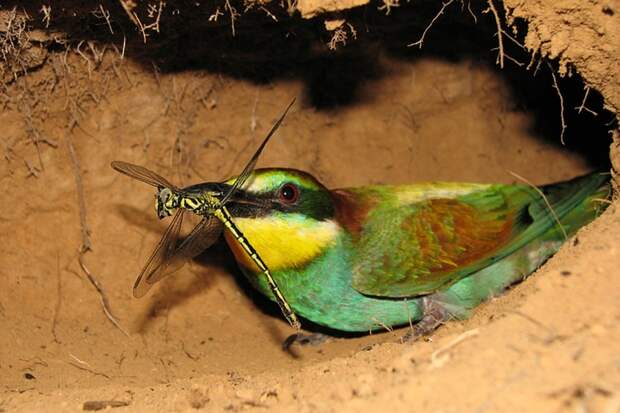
406 249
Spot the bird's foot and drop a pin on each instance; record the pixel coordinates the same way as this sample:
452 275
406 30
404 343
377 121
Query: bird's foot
302 339
435 314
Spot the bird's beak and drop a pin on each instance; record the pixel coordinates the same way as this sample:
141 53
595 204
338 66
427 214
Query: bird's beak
241 204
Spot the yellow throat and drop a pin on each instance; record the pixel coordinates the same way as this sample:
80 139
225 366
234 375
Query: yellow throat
282 243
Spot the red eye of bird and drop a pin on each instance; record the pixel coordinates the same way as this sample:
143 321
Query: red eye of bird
288 193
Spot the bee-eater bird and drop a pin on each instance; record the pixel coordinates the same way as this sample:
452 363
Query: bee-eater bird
374 257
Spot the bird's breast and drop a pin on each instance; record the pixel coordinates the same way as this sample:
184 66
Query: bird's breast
282 243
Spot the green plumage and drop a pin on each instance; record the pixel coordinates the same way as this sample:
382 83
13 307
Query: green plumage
402 250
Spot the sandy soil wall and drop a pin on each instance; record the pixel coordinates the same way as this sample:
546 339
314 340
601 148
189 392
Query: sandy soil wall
371 111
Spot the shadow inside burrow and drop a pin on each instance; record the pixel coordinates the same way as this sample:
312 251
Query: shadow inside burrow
270 45
263 304
168 292
221 261
139 218
172 293
265 51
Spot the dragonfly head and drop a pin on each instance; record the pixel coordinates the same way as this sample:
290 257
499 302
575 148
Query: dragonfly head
166 202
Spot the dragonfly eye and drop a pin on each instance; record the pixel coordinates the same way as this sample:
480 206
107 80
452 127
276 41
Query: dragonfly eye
164 204
165 195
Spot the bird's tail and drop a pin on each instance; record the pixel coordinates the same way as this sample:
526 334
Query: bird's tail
573 203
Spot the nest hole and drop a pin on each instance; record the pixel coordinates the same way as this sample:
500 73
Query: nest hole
194 102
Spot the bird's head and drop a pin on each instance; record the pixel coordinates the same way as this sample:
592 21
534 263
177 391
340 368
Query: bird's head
287 216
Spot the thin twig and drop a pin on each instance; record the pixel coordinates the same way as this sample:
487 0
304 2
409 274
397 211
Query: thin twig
544 197
79 361
96 405
382 324
421 40
91 371
557 88
438 359
500 56
603 201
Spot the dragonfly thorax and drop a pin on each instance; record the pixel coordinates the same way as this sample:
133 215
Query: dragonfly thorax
202 203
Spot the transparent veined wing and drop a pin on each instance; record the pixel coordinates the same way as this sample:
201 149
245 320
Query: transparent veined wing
142 174
171 253
202 237
249 167
159 263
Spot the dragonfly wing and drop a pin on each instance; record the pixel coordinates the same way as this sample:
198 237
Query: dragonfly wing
201 238
243 176
164 260
142 174
170 255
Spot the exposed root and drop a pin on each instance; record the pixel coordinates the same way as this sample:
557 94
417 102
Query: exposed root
387 6
557 88
233 15
129 6
341 35
500 53
105 304
102 13
86 242
420 42
215 15
583 106
47 15
154 12
471 12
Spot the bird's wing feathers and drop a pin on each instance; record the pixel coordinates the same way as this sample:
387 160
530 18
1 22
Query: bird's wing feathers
415 248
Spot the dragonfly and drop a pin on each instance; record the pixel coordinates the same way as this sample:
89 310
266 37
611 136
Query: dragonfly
208 201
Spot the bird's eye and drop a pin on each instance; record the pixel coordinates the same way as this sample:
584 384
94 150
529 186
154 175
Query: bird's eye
288 193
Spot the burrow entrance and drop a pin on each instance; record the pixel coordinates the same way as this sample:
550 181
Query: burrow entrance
193 103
